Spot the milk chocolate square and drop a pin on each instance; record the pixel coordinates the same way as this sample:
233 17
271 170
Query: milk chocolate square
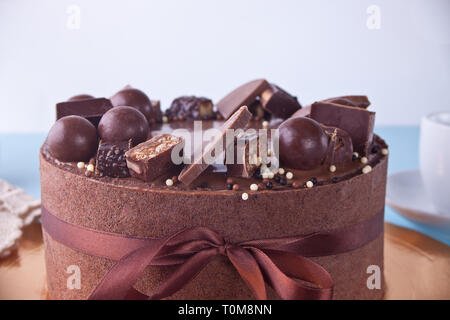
237 121
358 122
152 158
244 95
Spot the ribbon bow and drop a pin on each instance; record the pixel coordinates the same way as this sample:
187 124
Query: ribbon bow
279 262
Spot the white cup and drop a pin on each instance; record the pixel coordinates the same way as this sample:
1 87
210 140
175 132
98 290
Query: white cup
435 159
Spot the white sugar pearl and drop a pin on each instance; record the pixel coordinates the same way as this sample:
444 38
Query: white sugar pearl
90 167
80 165
281 171
364 160
289 175
244 196
366 169
384 151
356 154
169 182
265 124
271 175
254 187
309 184
265 175
332 168
165 119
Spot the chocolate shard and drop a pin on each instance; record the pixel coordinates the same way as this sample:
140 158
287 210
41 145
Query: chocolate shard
340 146
153 157
303 112
111 160
91 109
244 95
245 158
352 101
237 121
358 122
278 102
191 108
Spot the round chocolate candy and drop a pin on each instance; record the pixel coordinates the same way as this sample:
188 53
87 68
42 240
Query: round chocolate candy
72 139
303 143
137 99
122 124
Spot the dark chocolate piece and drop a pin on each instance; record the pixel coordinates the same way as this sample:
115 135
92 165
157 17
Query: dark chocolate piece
80 97
352 101
72 138
340 146
258 111
303 112
191 108
244 95
237 121
123 124
89 108
303 143
111 160
245 156
153 158
135 98
278 102
358 122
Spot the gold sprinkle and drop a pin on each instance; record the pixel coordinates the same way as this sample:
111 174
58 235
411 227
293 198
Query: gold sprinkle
80 165
364 160
384 151
332 168
90 168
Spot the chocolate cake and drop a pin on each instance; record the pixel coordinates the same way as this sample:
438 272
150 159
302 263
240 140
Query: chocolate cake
309 182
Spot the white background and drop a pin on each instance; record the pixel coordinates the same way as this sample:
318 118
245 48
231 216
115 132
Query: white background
315 49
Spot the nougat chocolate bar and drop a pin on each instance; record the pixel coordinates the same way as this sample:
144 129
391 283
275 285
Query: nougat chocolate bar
152 158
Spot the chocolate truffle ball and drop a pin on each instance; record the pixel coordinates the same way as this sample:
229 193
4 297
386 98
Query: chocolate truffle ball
137 99
122 124
72 138
303 143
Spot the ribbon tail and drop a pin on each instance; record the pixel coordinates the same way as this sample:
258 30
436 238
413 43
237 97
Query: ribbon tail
276 263
184 274
247 267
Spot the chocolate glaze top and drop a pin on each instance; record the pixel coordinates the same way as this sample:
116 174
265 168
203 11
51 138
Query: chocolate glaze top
215 178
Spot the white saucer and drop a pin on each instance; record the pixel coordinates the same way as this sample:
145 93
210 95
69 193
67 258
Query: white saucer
406 194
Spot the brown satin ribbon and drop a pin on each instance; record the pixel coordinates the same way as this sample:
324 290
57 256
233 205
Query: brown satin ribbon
277 261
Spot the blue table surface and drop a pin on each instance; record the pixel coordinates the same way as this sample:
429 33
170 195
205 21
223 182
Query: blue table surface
19 165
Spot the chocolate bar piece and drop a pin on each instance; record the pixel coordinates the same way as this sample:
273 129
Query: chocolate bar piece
358 122
191 108
340 146
245 156
91 109
237 121
303 112
111 160
352 101
278 102
153 157
244 95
